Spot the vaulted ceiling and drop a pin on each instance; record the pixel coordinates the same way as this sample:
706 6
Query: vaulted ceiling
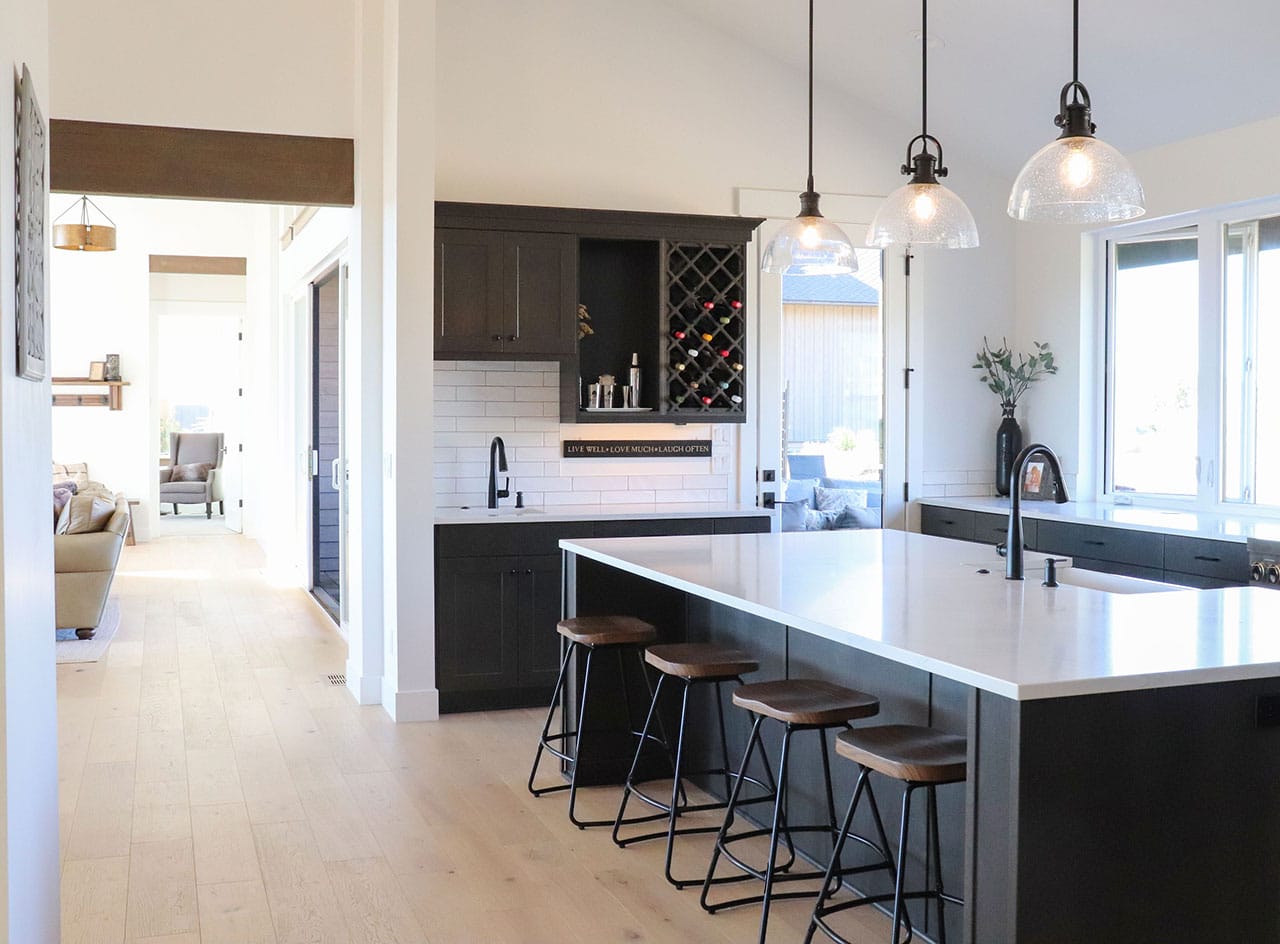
1157 70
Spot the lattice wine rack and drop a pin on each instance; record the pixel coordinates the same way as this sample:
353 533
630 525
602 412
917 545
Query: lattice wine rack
705 325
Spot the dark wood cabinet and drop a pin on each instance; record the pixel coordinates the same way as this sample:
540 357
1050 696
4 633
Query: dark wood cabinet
508 294
498 599
469 292
1169 558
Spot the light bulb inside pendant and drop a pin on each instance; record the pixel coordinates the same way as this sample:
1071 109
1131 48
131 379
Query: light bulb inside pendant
924 206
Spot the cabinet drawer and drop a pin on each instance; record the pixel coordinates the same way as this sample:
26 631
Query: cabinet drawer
946 522
1201 582
993 529
753 525
1092 542
1223 560
492 540
653 527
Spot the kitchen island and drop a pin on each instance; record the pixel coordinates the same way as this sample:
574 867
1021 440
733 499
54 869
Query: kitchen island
1124 759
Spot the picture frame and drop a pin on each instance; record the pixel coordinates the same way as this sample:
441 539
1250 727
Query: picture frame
97 370
29 219
113 367
1038 482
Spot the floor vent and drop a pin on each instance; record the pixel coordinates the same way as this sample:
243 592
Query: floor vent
337 679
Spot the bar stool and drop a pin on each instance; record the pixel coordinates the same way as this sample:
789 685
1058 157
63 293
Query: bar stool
919 757
800 705
689 664
620 634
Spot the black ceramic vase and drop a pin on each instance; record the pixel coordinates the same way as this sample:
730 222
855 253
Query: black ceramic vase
1008 445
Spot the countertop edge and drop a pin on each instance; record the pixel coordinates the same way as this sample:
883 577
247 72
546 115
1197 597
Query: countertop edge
547 514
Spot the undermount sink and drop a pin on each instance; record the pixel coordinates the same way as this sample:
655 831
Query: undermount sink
502 512
1109 583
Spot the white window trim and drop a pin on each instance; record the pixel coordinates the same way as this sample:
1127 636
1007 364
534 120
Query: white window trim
1208 226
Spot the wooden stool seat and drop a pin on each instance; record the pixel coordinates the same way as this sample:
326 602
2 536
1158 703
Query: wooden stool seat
690 660
606 630
806 701
907 752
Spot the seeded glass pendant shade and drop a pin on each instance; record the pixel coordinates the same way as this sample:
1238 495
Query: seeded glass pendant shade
1077 178
84 235
923 212
810 244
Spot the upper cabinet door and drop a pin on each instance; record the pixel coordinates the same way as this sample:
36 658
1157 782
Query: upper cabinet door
469 316
541 293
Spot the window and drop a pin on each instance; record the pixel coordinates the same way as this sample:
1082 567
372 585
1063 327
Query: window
1155 316
1193 361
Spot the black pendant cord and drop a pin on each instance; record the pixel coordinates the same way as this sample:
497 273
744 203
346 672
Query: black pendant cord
1075 42
924 68
810 183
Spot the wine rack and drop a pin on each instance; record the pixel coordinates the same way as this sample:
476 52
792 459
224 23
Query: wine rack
704 324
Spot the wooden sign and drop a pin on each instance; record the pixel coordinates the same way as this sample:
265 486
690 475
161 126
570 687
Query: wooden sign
637 449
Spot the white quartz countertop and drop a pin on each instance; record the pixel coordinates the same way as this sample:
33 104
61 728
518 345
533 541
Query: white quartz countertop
1200 524
508 513
922 601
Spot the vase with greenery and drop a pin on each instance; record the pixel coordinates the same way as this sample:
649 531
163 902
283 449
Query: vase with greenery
1008 376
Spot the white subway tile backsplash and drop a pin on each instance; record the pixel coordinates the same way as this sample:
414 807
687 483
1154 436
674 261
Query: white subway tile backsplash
438 366
512 378
947 477
486 394
628 498
520 401
933 491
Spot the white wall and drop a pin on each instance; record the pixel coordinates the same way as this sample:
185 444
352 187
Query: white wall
100 303
637 106
1056 285
285 66
28 758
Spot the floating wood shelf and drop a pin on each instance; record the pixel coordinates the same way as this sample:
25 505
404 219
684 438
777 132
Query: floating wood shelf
113 399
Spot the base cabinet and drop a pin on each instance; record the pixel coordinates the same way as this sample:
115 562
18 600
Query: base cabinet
499 594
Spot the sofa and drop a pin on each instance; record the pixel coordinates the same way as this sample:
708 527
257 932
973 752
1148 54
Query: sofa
193 476
827 504
90 529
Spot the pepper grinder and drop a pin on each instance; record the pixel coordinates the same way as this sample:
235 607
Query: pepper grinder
633 381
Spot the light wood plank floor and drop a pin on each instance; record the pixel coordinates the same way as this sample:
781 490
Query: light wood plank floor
216 789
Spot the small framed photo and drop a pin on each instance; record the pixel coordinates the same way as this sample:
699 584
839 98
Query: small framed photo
1038 483
97 370
113 367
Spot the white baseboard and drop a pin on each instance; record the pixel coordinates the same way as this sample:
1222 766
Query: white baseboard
367 689
422 705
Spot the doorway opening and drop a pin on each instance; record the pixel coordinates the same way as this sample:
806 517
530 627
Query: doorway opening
328 464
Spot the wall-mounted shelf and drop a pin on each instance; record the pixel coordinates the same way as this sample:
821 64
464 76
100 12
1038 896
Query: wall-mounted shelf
113 399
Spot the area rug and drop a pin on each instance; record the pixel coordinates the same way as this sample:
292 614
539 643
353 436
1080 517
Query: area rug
71 649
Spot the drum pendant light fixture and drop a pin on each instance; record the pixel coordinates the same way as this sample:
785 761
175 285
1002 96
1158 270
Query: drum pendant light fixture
84 236
810 244
923 212
1076 178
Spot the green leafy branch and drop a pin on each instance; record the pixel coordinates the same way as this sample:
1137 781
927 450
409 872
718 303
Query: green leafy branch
1008 379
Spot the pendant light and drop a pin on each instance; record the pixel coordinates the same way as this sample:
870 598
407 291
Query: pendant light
84 236
1076 178
923 212
810 244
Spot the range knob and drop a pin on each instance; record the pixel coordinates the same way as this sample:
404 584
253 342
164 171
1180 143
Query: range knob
1273 573
1257 572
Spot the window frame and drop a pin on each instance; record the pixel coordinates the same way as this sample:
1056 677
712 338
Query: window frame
1209 228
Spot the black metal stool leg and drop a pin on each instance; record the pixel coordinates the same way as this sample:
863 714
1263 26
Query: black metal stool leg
936 852
899 884
828 888
675 786
771 862
728 812
662 728
577 746
724 738
556 694
635 761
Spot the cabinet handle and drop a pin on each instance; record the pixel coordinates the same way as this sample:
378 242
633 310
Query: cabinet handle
511 337
497 337
530 572
1096 543
1211 560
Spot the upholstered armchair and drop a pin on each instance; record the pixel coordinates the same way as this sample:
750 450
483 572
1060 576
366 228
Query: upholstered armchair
181 482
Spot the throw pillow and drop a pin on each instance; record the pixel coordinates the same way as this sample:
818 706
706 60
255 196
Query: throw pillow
815 520
860 518
192 472
843 502
799 490
793 514
85 514
69 485
60 498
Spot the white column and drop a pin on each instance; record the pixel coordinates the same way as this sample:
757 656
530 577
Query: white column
408 179
364 371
